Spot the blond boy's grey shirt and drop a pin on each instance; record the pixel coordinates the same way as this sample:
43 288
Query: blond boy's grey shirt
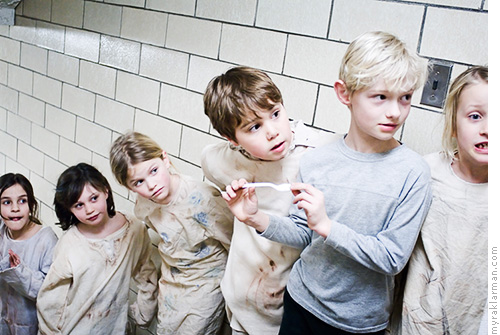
258 269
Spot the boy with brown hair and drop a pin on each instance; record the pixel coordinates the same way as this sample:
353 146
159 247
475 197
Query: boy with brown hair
246 107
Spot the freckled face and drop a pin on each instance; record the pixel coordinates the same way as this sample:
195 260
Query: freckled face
14 208
267 135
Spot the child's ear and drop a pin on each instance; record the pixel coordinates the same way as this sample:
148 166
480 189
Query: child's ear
342 93
231 141
165 159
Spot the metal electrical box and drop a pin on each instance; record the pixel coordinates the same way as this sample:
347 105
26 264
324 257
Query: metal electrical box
436 86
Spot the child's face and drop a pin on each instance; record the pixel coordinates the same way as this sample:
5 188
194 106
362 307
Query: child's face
91 208
266 136
14 208
472 124
376 114
151 179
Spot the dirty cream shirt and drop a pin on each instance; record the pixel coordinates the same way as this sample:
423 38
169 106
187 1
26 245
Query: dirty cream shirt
86 290
195 230
258 269
447 282
19 285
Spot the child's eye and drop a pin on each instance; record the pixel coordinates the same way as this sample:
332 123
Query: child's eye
254 128
380 97
138 183
154 170
275 114
6 202
23 201
78 205
94 198
406 97
475 116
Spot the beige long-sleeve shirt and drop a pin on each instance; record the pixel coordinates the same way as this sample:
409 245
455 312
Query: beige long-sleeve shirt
257 268
86 290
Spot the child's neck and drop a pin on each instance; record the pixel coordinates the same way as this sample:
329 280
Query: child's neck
470 173
369 145
27 232
103 230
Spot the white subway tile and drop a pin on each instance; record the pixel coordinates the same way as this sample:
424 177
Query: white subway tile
102 18
331 114
470 42
144 26
183 106
299 97
202 70
98 78
10 50
165 132
120 53
165 65
39 9
187 168
259 48
20 79
52 169
79 102
71 153
15 167
192 144
474 4
23 30
49 36
3 119
82 44
45 141
2 164
423 139
193 35
30 157
47 89
63 67
44 191
242 12
19 127
3 72
32 109
60 122
296 16
48 217
8 98
138 91
402 20
68 12
173 6
134 3
114 115
34 58
305 59
93 136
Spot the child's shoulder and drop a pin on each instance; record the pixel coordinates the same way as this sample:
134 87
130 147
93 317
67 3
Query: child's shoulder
311 137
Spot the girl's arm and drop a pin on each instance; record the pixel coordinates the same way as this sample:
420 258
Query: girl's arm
145 274
52 297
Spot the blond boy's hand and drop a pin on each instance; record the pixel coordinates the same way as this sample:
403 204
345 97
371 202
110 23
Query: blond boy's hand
243 203
312 201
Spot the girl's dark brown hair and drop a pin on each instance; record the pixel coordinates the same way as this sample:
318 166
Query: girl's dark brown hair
70 186
11 179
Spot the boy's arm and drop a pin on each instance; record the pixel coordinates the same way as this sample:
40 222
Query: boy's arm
145 274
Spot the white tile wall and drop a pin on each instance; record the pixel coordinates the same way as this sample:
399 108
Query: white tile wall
47 89
93 136
173 6
32 109
30 157
114 115
331 114
466 41
138 91
45 141
102 18
202 70
144 26
241 12
68 12
50 36
3 119
82 44
9 98
78 101
98 78
60 122
38 9
120 54
24 30
423 139
297 16
259 48
64 68
183 106
71 153
19 127
10 50
20 79
193 35
3 72
164 65
34 58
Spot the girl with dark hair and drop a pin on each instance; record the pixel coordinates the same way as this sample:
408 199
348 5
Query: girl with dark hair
87 288
25 255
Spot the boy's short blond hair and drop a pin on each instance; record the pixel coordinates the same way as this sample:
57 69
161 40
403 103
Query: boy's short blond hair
130 149
236 96
376 55
473 75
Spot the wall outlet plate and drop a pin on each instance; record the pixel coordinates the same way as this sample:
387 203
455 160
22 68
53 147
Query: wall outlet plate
436 86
